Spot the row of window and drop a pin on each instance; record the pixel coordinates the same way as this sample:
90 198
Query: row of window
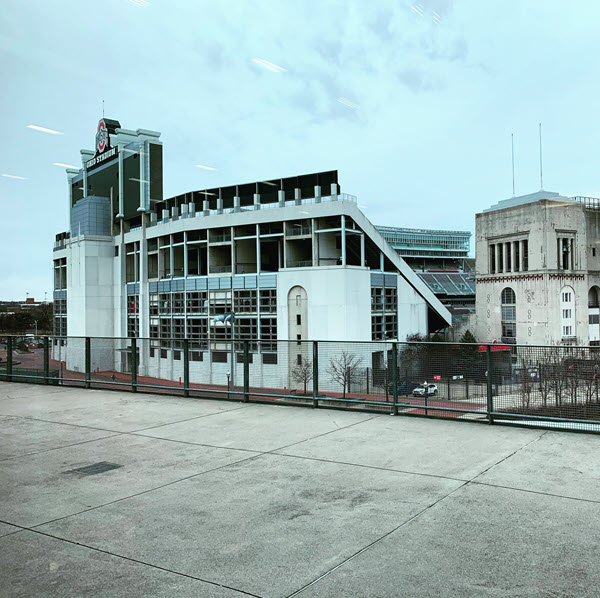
510 256
212 303
215 356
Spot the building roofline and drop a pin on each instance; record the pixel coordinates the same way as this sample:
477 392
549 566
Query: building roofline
422 230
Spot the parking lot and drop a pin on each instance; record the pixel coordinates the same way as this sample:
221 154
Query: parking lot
214 498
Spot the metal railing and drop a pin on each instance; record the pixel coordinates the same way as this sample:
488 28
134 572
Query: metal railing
539 386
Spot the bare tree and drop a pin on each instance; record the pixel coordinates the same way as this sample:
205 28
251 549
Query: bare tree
303 373
344 369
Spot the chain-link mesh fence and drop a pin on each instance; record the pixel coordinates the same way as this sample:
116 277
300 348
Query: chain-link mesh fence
553 386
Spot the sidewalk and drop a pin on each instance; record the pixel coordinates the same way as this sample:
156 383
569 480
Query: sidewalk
223 499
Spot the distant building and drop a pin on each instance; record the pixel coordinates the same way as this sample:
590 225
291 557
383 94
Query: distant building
441 260
538 270
293 258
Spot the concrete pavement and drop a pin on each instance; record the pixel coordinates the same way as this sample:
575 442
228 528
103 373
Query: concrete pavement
225 499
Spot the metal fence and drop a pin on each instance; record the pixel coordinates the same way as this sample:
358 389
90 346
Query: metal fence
543 386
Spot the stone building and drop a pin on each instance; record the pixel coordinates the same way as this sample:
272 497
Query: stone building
538 270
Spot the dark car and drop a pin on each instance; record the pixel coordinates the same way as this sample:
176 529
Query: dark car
404 388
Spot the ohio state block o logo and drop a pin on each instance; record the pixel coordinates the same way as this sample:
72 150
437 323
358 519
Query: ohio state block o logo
101 136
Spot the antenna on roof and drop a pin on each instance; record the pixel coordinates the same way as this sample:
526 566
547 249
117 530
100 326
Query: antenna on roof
541 178
102 108
512 147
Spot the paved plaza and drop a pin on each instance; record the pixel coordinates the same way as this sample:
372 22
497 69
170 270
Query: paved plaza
207 498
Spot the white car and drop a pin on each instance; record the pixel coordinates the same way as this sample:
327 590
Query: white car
425 390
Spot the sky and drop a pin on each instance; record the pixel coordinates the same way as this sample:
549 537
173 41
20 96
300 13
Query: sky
414 103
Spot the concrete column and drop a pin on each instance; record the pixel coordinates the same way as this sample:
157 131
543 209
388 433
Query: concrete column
516 260
334 191
559 253
258 251
317 193
233 255
257 201
315 256
362 250
281 198
298 197
220 205
522 256
507 260
572 253
499 262
175 212
381 260
142 178
236 204
165 214
121 207
171 256
185 255
205 207
343 240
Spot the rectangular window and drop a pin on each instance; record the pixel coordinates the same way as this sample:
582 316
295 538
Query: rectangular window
153 304
499 248
594 319
508 257
517 257
268 334
509 313
566 313
178 303
196 356
376 299
525 256
299 359
197 302
268 301
269 358
298 320
244 301
152 350
391 299
240 357
197 332
219 357
567 331
163 353
177 355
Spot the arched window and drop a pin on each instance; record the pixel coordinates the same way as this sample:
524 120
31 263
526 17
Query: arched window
509 315
593 297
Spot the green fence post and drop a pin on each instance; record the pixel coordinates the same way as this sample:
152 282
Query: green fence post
88 361
315 402
9 358
186 367
46 361
246 371
395 378
134 364
490 398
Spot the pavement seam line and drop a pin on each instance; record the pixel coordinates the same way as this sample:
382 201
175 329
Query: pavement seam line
127 558
409 520
180 421
539 492
145 491
47 421
510 455
227 448
417 473
254 456
57 448
371 544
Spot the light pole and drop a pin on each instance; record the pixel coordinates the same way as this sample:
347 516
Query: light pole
231 319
